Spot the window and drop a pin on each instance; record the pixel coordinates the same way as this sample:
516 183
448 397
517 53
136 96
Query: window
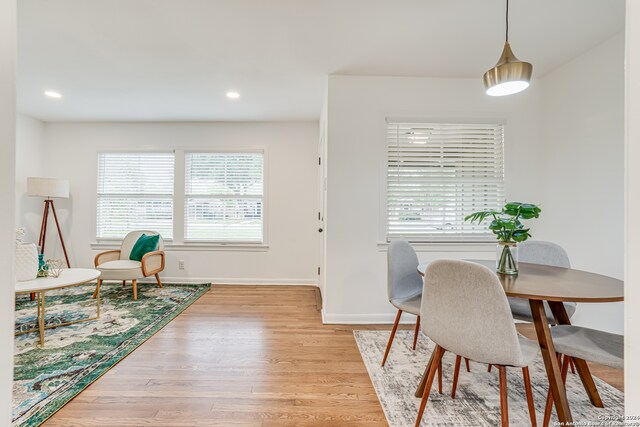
135 192
224 197
437 173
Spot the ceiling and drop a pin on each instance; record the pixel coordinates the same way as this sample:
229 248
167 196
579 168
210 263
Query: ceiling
174 60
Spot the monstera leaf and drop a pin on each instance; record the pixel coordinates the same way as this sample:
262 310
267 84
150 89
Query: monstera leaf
506 224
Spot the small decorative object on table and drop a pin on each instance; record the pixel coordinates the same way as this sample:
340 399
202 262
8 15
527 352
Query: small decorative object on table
26 261
509 229
26 258
55 267
43 268
20 233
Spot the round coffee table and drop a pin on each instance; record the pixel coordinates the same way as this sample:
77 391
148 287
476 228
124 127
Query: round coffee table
68 277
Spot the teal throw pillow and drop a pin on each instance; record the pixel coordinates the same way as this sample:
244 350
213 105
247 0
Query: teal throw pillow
143 245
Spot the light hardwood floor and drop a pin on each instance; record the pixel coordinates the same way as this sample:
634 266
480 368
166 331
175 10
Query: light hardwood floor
241 356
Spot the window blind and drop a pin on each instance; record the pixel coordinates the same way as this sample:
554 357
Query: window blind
437 173
135 192
224 197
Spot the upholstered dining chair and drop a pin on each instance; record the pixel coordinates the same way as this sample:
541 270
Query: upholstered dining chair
465 311
116 265
404 286
545 253
588 344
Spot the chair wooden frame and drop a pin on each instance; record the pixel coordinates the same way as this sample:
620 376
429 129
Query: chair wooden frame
393 334
435 364
415 341
114 255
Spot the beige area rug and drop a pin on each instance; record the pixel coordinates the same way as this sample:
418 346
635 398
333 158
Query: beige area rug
477 401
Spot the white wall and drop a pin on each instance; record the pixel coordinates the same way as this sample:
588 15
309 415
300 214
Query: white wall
291 211
632 212
564 148
582 119
7 189
30 161
357 107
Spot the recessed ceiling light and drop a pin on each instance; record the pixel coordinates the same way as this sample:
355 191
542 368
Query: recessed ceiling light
233 95
52 94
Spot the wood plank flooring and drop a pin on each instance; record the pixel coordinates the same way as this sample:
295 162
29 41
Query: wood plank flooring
241 356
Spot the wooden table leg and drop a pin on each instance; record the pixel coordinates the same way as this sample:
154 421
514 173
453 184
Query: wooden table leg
425 375
41 313
550 362
562 317
98 304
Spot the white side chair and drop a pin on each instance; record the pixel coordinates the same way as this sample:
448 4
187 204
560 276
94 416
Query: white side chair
465 311
588 344
544 253
116 265
404 286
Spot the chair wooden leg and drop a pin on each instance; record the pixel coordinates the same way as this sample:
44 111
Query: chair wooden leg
549 405
423 380
160 285
504 404
124 282
529 392
440 377
456 371
489 368
572 366
415 334
393 334
437 359
32 296
135 289
466 362
95 293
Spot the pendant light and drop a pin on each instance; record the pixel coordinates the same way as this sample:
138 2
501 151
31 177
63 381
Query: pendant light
509 75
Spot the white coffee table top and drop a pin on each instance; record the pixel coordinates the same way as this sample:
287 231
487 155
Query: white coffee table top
68 277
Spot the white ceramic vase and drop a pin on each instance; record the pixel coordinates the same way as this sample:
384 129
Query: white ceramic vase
26 262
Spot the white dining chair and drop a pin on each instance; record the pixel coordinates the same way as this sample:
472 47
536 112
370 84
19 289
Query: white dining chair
465 311
588 344
404 286
544 253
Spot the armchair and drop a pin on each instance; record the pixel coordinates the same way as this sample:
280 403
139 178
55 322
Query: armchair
116 265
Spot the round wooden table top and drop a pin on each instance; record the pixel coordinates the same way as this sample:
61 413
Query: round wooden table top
68 277
543 282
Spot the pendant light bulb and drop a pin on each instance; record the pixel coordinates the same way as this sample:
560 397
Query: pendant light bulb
509 75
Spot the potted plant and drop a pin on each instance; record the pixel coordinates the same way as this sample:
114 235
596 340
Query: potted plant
508 227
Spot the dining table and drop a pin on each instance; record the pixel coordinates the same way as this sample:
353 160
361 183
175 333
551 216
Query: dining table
554 285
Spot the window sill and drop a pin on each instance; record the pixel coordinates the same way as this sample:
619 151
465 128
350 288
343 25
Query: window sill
179 247
446 246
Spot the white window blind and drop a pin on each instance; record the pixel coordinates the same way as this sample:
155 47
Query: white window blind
437 173
135 192
224 197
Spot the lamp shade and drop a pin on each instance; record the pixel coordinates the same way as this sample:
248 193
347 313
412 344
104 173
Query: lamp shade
508 76
47 187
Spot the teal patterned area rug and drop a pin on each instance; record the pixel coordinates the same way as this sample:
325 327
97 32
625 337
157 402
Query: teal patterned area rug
74 356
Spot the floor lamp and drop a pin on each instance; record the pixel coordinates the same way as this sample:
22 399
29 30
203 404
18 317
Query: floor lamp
48 188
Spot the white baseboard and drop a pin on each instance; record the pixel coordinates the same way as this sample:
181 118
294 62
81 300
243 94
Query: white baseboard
366 319
371 319
231 281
